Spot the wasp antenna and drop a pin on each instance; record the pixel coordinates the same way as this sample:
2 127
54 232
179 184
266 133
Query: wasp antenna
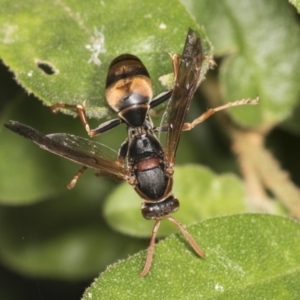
150 249
187 236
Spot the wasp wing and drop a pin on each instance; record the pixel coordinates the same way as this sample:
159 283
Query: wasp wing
186 83
79 150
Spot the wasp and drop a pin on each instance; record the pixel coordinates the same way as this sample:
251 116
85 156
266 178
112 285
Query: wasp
142 161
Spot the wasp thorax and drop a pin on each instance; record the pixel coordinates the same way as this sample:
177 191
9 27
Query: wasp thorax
129 89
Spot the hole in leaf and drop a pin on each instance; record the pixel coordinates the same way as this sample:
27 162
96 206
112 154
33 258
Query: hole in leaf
46 67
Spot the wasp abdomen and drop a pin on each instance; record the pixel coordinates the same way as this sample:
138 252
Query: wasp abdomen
152 183
129 89
124 66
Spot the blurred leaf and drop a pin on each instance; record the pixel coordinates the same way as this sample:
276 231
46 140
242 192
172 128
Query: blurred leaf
247 257
202 194
24 167
63 238
54 36
261 58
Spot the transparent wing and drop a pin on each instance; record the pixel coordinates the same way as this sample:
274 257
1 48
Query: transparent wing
186 83
79 150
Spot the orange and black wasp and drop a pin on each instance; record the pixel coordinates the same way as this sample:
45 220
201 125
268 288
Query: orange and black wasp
142 160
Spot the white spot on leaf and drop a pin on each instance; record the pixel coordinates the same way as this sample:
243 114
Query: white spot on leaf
97 46
219 287
162 26
8 31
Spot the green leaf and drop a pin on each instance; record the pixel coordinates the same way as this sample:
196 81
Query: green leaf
296 3
260 58
247 257
202 194
56 35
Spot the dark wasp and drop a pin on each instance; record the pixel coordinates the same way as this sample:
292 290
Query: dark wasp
142 160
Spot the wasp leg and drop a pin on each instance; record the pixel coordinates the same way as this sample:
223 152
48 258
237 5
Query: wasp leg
187 236
150 249
76 177
166 95
176 64
122 152
207 114
211 111
160 98
80 109
212 63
